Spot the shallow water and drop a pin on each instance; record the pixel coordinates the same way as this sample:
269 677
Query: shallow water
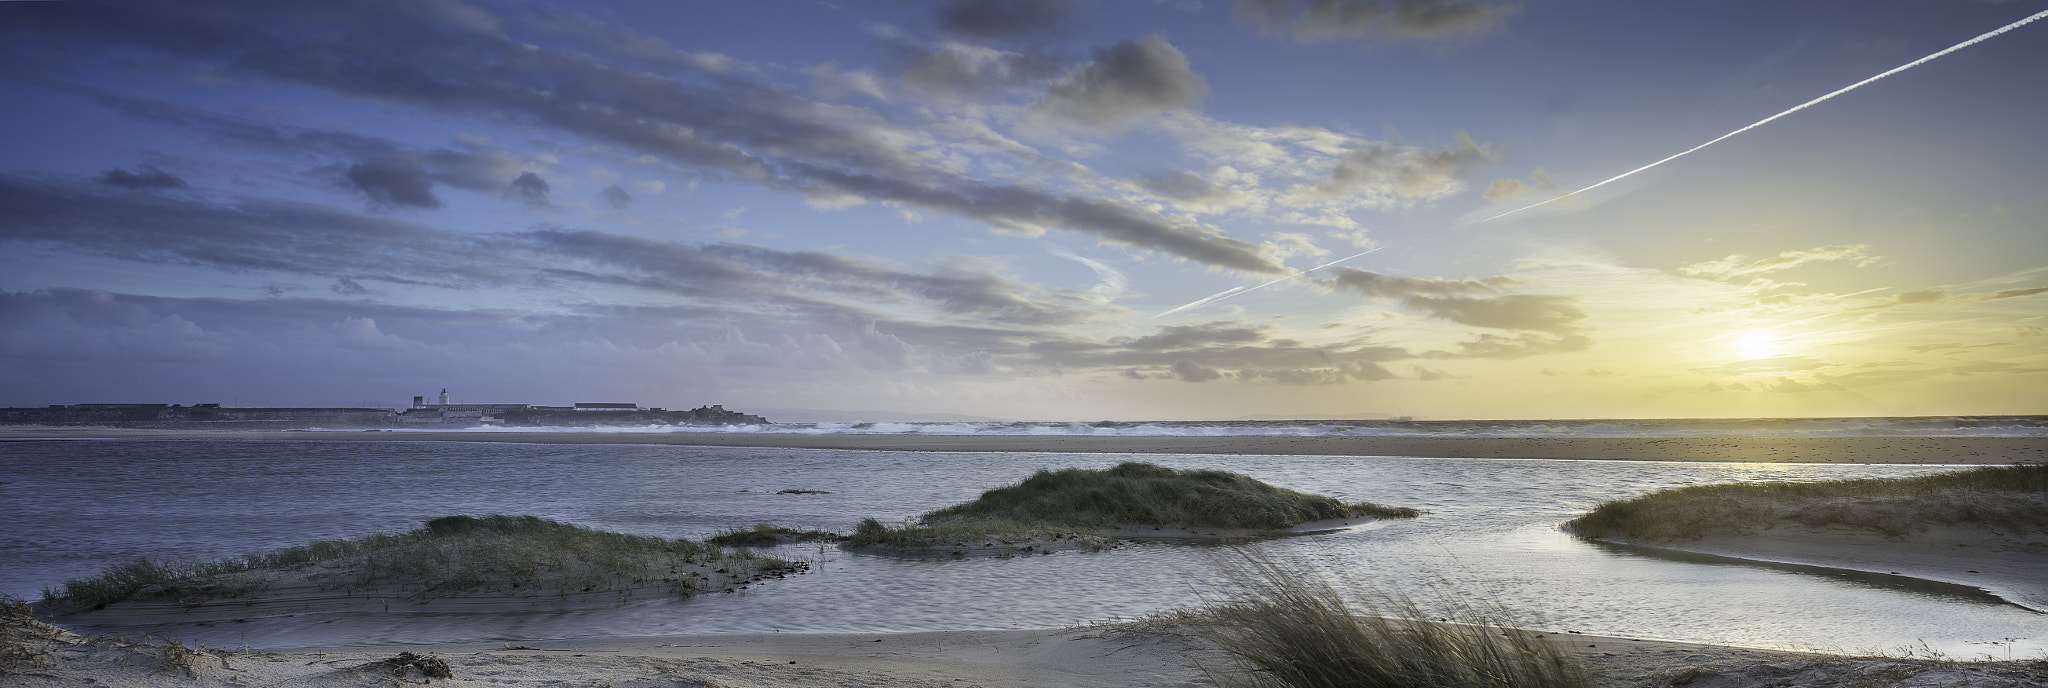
72 507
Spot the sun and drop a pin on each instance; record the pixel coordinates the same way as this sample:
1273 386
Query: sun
1758 345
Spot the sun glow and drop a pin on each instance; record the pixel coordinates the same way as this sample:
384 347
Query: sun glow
1757 345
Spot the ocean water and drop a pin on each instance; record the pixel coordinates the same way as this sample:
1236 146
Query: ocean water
72 507
1916 426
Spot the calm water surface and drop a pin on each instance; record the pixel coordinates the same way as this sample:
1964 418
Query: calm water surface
72 507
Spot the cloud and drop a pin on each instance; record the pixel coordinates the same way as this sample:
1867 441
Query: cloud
348 287
1503 190
1316 20
1737 265
1189 371
1008 19
531 188
616 197
1393 174
711 116
832 82
1519 346
1377 285
1764 365
393 182
958 71
1540 312
2016 293
1127 82
1196 192
272 236
147 178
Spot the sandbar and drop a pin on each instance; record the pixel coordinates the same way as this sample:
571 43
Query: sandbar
1835 450
2012 566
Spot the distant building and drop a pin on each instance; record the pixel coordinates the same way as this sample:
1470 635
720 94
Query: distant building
605 406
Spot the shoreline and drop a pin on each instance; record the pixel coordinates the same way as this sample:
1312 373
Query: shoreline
1821 450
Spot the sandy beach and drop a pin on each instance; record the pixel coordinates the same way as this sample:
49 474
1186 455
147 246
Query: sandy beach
1077 657
1889 450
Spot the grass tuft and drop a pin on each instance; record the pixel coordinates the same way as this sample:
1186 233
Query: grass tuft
768 535
24 640
1283 625
2001 497
447 556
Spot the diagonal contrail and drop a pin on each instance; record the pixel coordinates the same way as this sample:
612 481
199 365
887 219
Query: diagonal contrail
1767 120
1234 291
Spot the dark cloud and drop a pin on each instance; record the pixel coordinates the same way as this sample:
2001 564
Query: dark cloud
1189 371
1541 312
146 178
1313 20
348 287
1008 19
392 181
616 197
247 236
2013 293
1130 81
531 188
1181 337
1382 286
701 113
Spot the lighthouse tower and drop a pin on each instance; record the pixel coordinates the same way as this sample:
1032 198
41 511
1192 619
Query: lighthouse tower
444 396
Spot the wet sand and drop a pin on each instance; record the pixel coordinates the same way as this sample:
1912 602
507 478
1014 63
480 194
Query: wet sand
1886 450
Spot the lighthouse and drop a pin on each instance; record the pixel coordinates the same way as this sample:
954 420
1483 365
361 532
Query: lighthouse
444 396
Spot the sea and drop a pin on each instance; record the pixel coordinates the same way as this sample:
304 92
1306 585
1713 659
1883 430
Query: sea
70 507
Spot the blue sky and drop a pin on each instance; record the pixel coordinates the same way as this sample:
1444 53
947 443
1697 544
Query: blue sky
995 207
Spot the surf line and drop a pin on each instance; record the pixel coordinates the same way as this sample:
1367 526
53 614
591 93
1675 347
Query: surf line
1242 290
1767 120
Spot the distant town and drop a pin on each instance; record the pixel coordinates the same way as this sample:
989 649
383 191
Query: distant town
422 413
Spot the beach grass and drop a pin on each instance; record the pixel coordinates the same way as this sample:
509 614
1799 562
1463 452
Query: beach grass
766 534
1083 505
2013 498
1284 625
448 556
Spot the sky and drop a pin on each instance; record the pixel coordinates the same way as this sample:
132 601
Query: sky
1022 210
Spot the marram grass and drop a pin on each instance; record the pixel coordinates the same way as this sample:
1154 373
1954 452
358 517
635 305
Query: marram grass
2001 497
1086 502
448 556
1284 626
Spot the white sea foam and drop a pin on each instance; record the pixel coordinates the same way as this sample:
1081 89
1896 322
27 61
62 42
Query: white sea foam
1926 426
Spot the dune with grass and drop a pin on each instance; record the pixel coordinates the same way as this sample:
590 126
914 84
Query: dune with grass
1984 527
455 563
1095 509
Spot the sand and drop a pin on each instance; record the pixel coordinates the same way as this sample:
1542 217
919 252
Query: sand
2013 566
1888 450
1081 658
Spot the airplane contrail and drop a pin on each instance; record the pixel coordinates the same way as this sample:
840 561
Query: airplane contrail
1237 290
1767 120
